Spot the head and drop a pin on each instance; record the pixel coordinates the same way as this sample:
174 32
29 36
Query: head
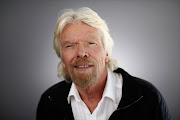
72 24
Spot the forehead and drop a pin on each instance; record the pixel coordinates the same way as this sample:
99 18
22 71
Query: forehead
80 31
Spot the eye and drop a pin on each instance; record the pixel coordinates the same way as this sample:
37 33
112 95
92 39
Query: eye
92 43
68 46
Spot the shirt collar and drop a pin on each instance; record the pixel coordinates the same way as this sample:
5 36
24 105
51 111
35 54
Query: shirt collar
109 90
74 93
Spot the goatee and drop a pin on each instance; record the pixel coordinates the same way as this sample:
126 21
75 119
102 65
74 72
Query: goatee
85 78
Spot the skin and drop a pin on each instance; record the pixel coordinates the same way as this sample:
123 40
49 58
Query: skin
81 41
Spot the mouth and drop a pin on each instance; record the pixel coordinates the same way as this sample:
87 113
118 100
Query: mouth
83 67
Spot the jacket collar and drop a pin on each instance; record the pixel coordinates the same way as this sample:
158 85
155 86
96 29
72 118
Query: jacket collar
131 91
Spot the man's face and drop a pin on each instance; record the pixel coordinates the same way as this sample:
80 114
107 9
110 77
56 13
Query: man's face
83 54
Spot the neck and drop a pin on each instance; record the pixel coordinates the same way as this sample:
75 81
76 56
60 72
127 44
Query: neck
93 94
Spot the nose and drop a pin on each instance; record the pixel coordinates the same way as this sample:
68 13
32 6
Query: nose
82 51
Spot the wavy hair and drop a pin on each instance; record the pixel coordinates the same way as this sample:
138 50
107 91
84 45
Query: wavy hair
87 16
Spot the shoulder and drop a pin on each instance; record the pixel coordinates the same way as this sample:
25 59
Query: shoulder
137 87
58 91
143 96
53 102
134 86
63 85
130 81
145 85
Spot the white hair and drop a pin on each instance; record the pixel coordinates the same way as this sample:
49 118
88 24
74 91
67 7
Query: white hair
87 16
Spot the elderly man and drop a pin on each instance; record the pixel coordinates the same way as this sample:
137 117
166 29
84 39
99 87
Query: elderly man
94 87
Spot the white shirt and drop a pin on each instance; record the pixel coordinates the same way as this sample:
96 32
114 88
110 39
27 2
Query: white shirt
108 104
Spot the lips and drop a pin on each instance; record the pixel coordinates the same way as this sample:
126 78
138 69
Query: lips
83 66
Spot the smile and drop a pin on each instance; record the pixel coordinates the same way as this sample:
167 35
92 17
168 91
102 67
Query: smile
83 66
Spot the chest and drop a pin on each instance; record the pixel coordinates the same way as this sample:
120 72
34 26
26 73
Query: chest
102 110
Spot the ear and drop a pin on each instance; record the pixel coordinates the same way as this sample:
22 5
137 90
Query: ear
107 58
63 65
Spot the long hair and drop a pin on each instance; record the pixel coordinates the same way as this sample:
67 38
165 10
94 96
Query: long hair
91 18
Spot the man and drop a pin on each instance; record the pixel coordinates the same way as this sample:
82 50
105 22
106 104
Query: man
94 87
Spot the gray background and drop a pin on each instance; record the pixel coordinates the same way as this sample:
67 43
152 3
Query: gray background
147 44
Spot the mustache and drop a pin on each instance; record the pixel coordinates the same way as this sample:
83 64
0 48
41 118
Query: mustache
83 61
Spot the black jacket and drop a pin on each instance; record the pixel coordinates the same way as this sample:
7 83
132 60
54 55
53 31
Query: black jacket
140 101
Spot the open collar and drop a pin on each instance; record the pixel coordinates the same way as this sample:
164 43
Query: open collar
110 89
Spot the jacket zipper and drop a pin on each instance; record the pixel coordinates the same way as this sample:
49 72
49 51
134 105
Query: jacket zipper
129 104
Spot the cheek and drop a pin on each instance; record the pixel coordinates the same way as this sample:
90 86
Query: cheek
67 58
100 57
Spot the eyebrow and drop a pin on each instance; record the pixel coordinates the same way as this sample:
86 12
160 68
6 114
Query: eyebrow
73 42
67 42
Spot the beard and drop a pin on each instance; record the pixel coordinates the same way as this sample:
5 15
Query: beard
85 78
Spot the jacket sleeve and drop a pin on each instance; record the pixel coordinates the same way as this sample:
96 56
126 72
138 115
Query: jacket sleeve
156 102
49 109
53 104
161 105
44 108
